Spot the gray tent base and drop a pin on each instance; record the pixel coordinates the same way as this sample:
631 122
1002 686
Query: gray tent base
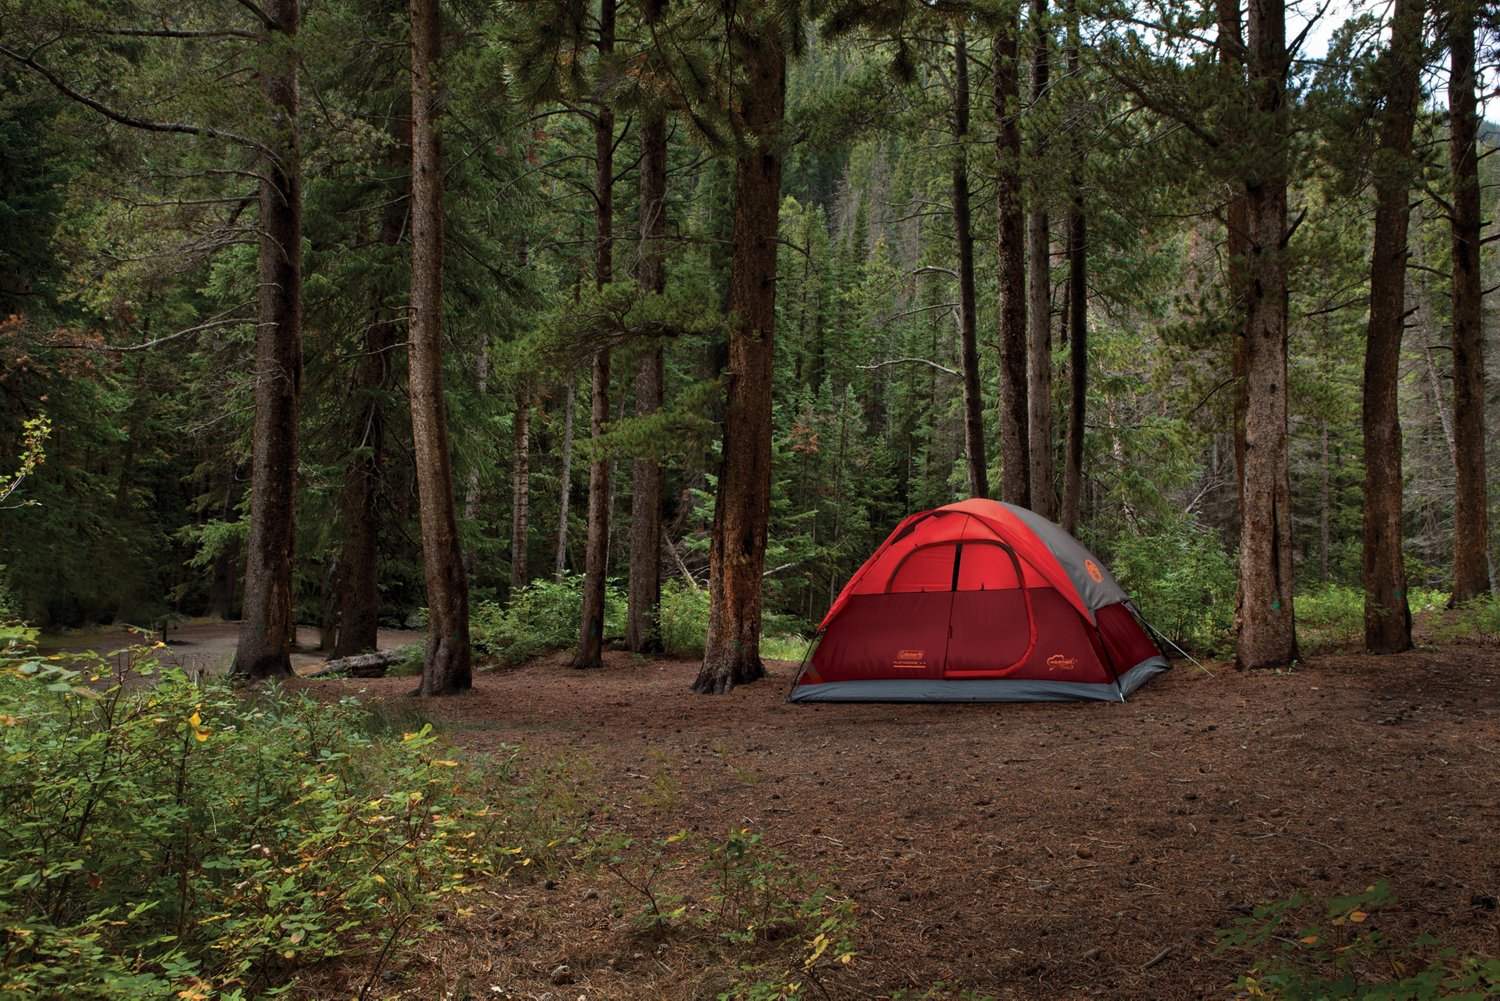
980 689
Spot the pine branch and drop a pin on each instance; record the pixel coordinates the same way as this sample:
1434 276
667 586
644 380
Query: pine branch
147 125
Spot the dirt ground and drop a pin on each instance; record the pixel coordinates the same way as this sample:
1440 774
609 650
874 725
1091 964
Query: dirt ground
202 645
1021 851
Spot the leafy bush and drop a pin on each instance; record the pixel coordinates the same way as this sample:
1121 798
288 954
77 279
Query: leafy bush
408 663
541 617
1329 618
1297 953
684 619
1478 619
684 626
159 839
1183 582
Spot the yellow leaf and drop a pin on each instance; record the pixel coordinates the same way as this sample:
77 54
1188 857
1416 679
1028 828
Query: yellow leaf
446 764
195 719
201 732
1309 939
379 878
1357 916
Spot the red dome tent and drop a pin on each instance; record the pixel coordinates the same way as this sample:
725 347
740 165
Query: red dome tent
979 602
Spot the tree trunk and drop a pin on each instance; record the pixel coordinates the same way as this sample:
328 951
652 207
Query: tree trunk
742 507
520 494
1015 472
1387 615
359 556
565 476
446 669
1039 289
1325 510
596 553
225 581
473 494
979 483
1077 307
1266 630
267 629
1236 240
1470 491
641 632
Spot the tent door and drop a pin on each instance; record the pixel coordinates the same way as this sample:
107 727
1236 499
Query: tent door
991 628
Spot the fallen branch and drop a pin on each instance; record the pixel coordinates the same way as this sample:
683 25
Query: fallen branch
1157 959
913 361
364 665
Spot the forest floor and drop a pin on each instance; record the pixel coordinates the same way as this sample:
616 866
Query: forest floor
205 645
1020 851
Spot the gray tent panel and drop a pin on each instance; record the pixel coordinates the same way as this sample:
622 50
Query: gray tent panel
1096 585
979 689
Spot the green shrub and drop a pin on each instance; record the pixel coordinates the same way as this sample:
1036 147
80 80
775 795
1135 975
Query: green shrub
684 619
1478 619
541 617
684 626
1330 618
160 839
1183 582
1300 951
409 659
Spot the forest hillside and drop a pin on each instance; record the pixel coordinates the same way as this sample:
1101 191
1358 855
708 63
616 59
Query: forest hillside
468 341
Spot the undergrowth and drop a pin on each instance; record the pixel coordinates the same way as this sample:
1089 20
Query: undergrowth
541 617
684 626
162 838
1301 950
753 900
165 839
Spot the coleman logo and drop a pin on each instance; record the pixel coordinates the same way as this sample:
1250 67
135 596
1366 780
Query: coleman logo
1093 571
1057 662
910 660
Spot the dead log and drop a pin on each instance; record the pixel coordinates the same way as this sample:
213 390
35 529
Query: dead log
364 665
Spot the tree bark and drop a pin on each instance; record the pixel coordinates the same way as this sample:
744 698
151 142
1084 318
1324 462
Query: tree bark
358 590
359 556
473 494
520 493
1236 240
1077 307
267 629
1387 614
644 590
596 553
225 581
1039 287
1266 630
565 476
446 669
1015 471
742 508
1470 491
974 451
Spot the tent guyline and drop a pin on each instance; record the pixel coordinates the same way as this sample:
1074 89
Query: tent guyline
979 601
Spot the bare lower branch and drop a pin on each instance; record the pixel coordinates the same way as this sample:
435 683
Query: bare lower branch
912 361
178 33
127 348
181 128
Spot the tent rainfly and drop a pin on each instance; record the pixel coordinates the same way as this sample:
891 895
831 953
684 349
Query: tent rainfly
979 601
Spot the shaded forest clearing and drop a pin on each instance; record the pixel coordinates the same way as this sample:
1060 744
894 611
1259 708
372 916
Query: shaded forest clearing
1046 850
204 646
